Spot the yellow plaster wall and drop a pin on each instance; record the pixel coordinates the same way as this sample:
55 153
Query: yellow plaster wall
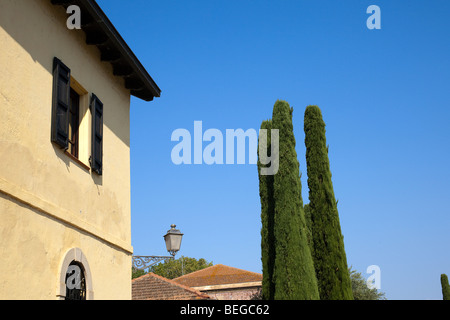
48 202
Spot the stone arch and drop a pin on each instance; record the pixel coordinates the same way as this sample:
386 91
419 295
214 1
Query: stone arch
74 254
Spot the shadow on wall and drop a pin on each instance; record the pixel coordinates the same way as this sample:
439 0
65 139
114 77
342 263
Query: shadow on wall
69 161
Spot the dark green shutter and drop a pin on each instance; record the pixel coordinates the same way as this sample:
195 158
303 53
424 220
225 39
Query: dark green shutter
97 134
60 104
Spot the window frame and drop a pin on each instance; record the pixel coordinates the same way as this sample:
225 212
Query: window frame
74 254
74 123
60 103
96 159
72 130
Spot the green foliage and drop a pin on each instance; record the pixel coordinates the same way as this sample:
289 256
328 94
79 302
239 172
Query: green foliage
360 289
135 273
172 269
445 287
308 223
330 260
267 219
293 273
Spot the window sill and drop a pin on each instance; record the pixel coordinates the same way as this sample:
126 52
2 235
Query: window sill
78 161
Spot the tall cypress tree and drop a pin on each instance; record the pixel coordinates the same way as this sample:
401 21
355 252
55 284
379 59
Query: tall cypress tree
293 273
267 218
308 221
445 287
330 260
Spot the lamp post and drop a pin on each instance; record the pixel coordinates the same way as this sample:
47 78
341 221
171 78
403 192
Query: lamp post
173 243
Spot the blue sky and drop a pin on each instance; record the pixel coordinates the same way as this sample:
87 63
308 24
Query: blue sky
384 95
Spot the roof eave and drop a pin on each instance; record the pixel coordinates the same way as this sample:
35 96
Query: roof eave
113 48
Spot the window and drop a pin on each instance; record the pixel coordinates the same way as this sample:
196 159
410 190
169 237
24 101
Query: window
75 282
97 134
71 126
60 108
74 122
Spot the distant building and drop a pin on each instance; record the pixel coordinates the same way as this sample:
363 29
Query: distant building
65 214
223 283
154 287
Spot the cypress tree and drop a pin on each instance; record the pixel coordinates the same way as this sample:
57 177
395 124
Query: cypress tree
329 256
445 287
293 273
267 217
308 222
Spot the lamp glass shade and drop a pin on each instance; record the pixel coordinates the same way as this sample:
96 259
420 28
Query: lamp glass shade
173 239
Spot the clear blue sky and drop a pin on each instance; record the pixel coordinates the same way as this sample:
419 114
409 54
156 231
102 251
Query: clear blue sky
384 95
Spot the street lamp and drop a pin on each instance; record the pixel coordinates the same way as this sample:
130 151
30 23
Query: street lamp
173 243
173 240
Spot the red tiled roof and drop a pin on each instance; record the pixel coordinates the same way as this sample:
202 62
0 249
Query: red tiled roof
217 275
154 287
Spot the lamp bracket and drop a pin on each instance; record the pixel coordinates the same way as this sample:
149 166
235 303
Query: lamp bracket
145 262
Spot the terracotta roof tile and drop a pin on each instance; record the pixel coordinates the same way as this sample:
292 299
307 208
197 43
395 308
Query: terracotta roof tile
217 275
154 287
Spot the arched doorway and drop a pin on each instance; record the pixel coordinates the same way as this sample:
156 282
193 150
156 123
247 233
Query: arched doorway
75 281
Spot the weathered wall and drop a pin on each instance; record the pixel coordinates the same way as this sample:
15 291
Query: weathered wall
232 294
48 202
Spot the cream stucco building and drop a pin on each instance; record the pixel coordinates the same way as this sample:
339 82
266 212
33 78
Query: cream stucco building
65 220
